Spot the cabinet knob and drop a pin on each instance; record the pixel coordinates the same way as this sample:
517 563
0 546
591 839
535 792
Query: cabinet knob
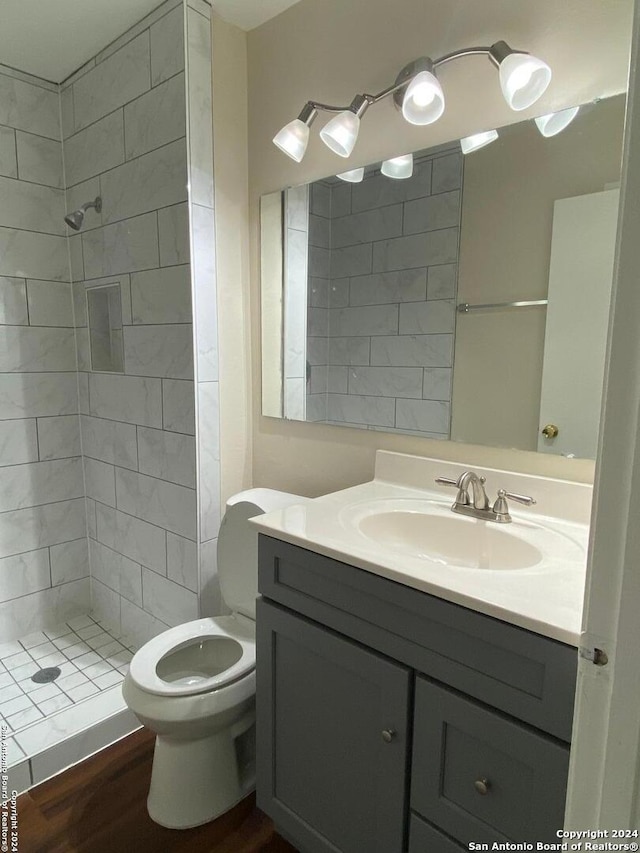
482 786
388 735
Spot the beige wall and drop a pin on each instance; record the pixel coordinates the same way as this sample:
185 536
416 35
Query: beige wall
505 247
329 50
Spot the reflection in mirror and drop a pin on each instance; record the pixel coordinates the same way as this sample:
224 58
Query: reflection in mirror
392 300
105 328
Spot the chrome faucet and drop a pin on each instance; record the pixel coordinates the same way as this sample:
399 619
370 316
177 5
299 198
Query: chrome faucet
478 506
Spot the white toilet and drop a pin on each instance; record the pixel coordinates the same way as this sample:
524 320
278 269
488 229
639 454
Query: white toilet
194 685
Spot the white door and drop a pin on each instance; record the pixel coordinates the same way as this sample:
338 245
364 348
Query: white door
580 276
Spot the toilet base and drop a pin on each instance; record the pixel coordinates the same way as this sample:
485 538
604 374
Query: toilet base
195 781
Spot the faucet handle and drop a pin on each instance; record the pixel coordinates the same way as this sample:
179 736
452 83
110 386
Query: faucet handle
521 499
446 481
501 507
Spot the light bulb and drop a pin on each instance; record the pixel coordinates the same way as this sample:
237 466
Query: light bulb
523 79
477 141
293 139
554 123
341 132
423 102
354 176
398 167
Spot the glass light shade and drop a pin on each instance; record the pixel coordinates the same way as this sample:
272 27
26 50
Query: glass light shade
423 102
399 167
293 139
341 132
523 79
354 176
554 123
477 141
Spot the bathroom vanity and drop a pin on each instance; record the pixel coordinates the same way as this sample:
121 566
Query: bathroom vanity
396 714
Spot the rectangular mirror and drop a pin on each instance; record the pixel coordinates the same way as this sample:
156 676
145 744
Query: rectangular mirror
105 328
467 302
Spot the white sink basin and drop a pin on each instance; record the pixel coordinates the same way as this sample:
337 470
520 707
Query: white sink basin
450 540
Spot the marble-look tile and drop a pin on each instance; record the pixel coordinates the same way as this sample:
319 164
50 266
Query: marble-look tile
49 303
131 399
350 351
358 409
182 561
319 232
442 282
18 442
318 295
155 118
112 83
447 173
329 378
162 351
320 202
66 111
156 501
340 199
167 46
423 415
352 260
59 437
33 395
200 109
23 574
168 601
94 150
178 406
39 526
8 161
205 306
116 571
432 212
154 180
13 302
31 207
317 349
26 254
105 604
83 393
386 381
39 159
140 541
43 608
162 295
91 517
378 224
296 205
40 482
316 407
109 441
173 230
75 258
100 481
295 304
418 250
167 455
387 287
31 349
201 6
319 262
364 320
317 327
211 600
106 525
339 293
294 399
139 625
428 318
69 561
27 107
378 191
83 353
413 350
209 459
122 247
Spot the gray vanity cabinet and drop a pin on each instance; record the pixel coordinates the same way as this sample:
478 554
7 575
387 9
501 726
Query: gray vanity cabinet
332 737
390 720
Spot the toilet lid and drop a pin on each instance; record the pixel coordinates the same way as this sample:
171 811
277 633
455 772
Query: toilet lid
197 657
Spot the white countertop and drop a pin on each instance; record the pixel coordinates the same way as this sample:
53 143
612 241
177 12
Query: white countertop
546 598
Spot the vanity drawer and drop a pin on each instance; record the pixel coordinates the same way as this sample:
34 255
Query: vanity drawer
424 838
527 676
482 777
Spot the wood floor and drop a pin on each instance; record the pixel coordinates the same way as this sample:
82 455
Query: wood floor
100 806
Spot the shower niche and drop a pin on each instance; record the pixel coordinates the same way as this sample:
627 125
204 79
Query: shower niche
104 309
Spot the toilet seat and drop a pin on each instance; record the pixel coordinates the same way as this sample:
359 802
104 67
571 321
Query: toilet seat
234 629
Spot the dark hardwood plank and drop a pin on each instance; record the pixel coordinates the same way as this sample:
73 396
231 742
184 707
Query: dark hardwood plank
100 806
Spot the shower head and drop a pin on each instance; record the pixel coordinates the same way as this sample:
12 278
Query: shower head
74 220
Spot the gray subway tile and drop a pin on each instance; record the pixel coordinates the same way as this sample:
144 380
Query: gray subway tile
432 212
359 409
437 383
155 118
209 459
41 482
32 207
8 161
39 159
49 303
37 394
442 282
39 526
132 399
428 318
447 173
28 107
205 306
352 260
59 437
156 501
18 441
412 351
200 109
168 601
123 247
366 227
31 255
69 561
182 561
100 481
109 441
423 415
13 302
348 351
167 46
418 250
173 228
167 455
377 190
386 381
178 405
162 351
24 573
140 541
363 321
95 149
37 349
387 287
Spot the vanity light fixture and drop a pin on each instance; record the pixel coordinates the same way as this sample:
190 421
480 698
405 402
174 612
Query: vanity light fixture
553 123
417 93
353 176
398 167
478 141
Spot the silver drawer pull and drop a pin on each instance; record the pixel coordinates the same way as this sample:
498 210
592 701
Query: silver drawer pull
482 786
388 735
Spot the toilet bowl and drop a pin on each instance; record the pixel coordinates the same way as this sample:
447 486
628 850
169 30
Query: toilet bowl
194 685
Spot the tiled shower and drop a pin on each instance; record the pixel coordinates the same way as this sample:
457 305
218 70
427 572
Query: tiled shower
108 522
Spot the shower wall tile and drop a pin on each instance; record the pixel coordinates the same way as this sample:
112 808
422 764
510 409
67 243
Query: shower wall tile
200 108
8 160
49 303
140 541
352 260
69 561
40 483
437 383
28 107
432 212
31 207
178 406
112 83
105 605
75 258
44 609
139 625
162 295
131 399
116 571
377 224
155 118
110 441
209 459
156 501
100 481
182 561
59 437
390 287
167 46
38 526
205 298
142 25
66 111
163 351
361 409
413 351
18 442
92 151
13 302
386 381
168 456
173 230
434 317
39 159
36 349
365 320
37 394
348 351
378 191
447 173
168 601
423 415
24 573
27 254
420 250
123 247
442 280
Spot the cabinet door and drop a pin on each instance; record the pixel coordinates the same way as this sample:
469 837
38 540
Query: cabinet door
332 737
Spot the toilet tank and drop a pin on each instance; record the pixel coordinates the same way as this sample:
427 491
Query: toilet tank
238 546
